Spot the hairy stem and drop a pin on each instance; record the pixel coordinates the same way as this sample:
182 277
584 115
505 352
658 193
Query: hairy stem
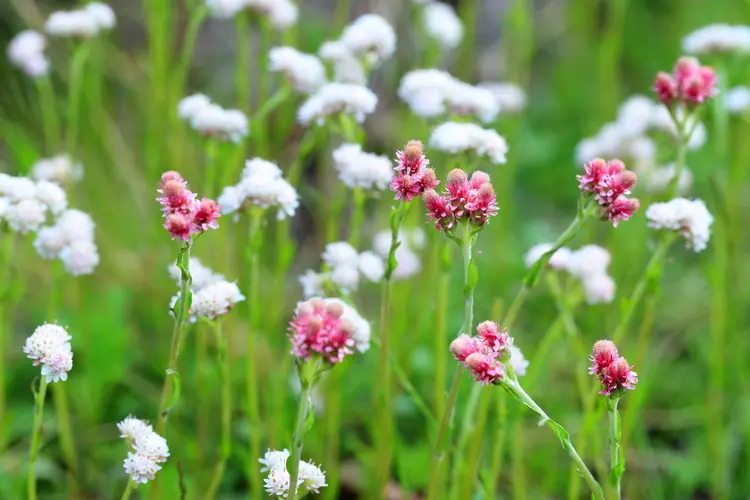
36 435
616 455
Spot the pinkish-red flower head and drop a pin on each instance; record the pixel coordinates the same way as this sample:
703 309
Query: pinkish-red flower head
685 66
665 87
690 83
603 354
175 196
171 175
439 209
463 346
206 213
318 329
496 340
478 178
458 186
412 159
482 204
621 209
484 368
617 378
429 179
179 225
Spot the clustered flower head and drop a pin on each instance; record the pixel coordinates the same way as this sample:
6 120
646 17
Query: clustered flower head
185 216
277 483
442 24
690 217
613 371
718 38
261 185
343 268
469 138
70 239
282 14
148 449
49 346
318 328
334 98
60 169
485 354
371 38
26 51
305 73
27 205
469 200
347 67
358 169
609 183
510 97
409 261
689 84
210 119
85 22
413 177
215 300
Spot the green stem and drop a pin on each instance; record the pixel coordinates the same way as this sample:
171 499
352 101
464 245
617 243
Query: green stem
197 16
36 435
358 213
50 116
6 307
300 426
65 430
210 167
341 14
226 409
496 462
260 131
682 140
616 454
129 488
242 65
77 65
439 448
440 339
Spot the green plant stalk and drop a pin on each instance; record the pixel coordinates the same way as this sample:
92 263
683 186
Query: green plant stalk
358 214
36 435
440 338
610 54
129 488
264 86
496 461
334 218
520 30
225 450
6 307
341 14
242 70
50 118
210 166
198 14
439 449
467 426
308 375
204 413
474 449
616 454
75 93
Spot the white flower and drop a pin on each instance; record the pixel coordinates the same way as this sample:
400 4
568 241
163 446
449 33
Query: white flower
662 120
56 367
510 97
517 360
333 98
282 14
76 224
216 300
409 263
152 445
690 217
370 36
464 99
225 9
657 179
26 51
313 283
737 99
359 169
304 72
274 460
453 137
311 477
50 241
345 277
141 469
231 199
277 483
80 257
227 124
17 188
558 261
51 195
634 115
589 260
49 346
149 449
85 22
598 288
261 185
362 332
60 169
717 38
26 215
443 25
424 91
202 275
102 14
371 266
340 254
346 67
192 105
132 428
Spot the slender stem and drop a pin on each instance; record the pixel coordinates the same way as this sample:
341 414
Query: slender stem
129 488
439 448
358 213
50 117
36 434
260 130
299 432
440 338
682 141
242 65
496 462
210 167
226 409
467 425
616 455
65 430
197 16
75 93
6 308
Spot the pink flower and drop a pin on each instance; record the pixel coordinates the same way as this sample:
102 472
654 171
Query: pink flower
412 175
484 368
179 225
496 340
621 209
317 328
184 215
439 209
206 213
609 182
484 354
603 354
463 346
665 87
176 197
482 204
690 84
618 377
458 188
406 187
478 178
412 159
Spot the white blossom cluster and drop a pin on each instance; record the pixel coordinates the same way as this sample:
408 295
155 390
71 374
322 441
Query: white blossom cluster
718 38
49 346
409 263
589 264
358 169
60 169
26 51
148 449
510 97
261 185
518 361
442 24
737 99
690 217
27 205
305 73
343 268
277 483
281 14
347 68
85 22
333 98
433 92
70 239
470 138
213 295
211 119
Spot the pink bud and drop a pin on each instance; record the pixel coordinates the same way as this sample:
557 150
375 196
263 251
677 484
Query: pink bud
179 225
463 346
685 66
603 354
665 87
456 177
206 213
485 369
478 178
621 209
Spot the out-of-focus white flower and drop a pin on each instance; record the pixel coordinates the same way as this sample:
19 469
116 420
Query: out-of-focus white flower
49 346
51 195
313 283
333 98
215 300
517 360
225 9
274 460
71 239
149 449
102 14
361 333
60 169
358 169
282 14
340 254
277 482
589 260
662 120
85 22
201 274
454 137
370 36
262 186
50 241
211 119
80 257
345 277
690 217
442 24
26 215
304 72
599 289
718 38
634 115
141 469
657 179
737 99
463 99
409 263
371 266
26 51
347 68
558 261
510 97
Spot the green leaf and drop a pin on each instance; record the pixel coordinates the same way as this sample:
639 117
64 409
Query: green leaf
176 390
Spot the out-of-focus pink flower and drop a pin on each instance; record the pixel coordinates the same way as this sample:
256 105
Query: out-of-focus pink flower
609 183
412 175
439 209
463 346
176 197
484 354
318 328
612 370
690 83
179 225
206 213
621 209
665 87
485 369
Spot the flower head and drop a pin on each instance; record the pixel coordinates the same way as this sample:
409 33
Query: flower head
484 355
609 183
468 200
611 369
413 177
185 217
690 84
484 368
26 51
318 328
148 449
334 98
49 346
690 218
215 300
455 138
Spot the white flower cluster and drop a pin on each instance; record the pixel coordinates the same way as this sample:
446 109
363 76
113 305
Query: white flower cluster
277 483
26 205
442 24
432 92
518 361
26 51
737 99
358 169
409 261
454 138
60 169
690 217
305 73
49 346
215 300
347 68
718 38
211 119
510 97
70 239
85 22
282 14
589 264
333 98
370 38
261 185
343 267
657 179
149 449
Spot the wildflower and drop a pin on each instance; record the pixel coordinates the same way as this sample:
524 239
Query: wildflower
225 9
215 300
346 278
599 289
371 266
603 355
484 368
442 24
359 169
370 37
274 460
148 449
205 214
718 38
658 179
303 72
484 354
340 254
282 14
347 68
71 239
510 97
589 260
60 169
80 257
412 175
517 360
317 328
690 217
311 477
313 283
464 346
409 263
609 183
202 275
334 98
26 51
737 99
472 201
49 346
85 22
185 217
361 331
690 83
132 428
262 186
453 138
424 91
277 483
612 370
211 119
558 261
495 339
439 210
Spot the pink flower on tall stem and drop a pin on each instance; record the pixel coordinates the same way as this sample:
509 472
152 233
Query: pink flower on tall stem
206 213
609 183
318 328
469 200
484 354
484 368
612 370
689 84
412 175
184 216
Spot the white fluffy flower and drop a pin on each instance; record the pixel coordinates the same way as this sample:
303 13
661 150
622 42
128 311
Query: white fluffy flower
517 360
346 67
72 226
152 445
102 14
49 346
190 106
690 217
304 72
26 51
371 266
657 179
149 449
274 460
132 428
510 97
442 24
340 254
345 277
225 9
737 99
52 195
718 38
311 477
211 119
16 188
424 91
263 186
362 332
558 261
370 36
282 14
140 468
599 289
408 262
50 241
454 137
359 169
215 300
85 22
26 215
60 169
464 99
589 260
80 257
56 367
313 283
333 98
634 115
277 483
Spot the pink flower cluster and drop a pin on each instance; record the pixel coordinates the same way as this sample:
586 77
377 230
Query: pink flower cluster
609 183
317 328
412 175
690 83
472 200
482 354
184 215
612 370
